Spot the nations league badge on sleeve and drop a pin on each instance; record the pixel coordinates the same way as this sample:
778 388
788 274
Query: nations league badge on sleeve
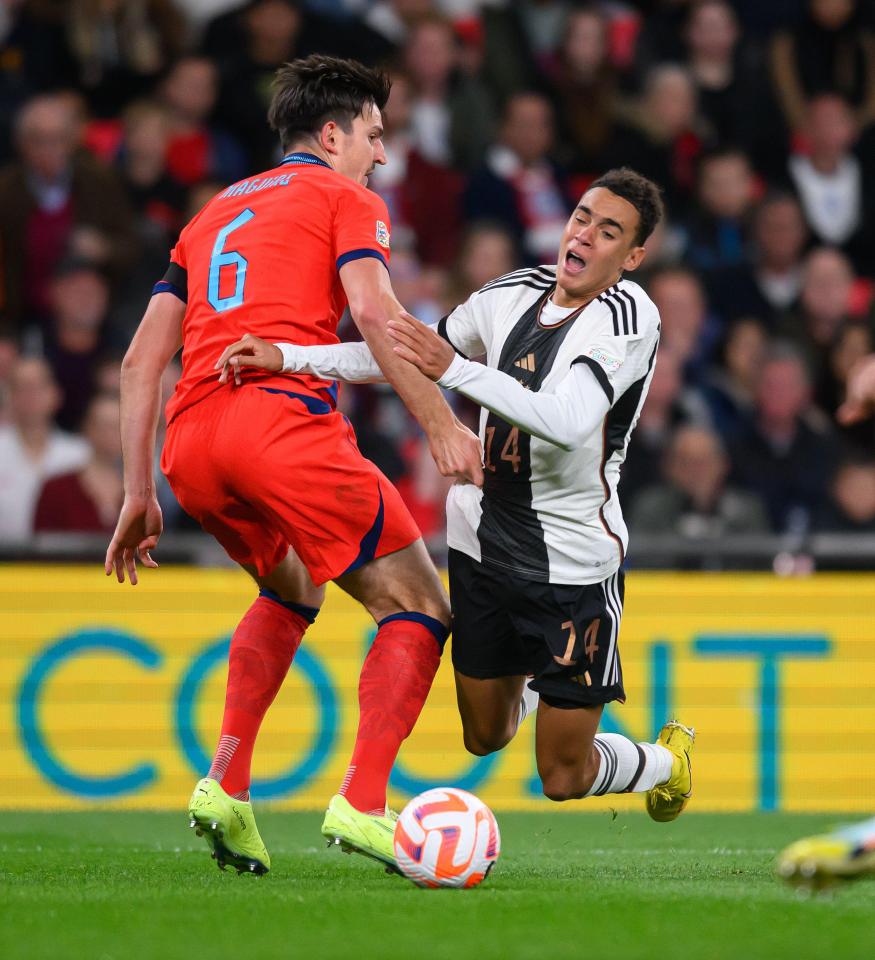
611 364
382 234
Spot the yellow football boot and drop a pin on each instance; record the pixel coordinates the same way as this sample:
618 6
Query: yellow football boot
667 800
355 832
228 826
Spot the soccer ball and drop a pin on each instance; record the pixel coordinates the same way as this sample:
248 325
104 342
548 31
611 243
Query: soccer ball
446 838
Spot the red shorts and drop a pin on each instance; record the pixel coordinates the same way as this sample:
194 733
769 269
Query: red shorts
262 469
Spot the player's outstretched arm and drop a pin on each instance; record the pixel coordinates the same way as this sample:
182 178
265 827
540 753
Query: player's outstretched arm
567 417
348 362
139 526
373 303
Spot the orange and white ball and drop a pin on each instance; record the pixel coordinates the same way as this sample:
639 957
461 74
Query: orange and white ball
446 838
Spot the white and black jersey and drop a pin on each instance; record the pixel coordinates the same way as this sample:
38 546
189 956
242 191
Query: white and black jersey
561 392
548 509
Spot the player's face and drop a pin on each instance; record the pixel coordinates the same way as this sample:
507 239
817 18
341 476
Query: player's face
360 150
597 246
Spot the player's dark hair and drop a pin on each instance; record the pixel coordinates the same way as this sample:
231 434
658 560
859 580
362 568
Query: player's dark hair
309 92
644 195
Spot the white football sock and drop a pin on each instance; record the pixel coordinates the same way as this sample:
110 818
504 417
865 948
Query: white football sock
528 703
627 767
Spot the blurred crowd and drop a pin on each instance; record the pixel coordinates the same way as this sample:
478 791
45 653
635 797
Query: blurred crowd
119 119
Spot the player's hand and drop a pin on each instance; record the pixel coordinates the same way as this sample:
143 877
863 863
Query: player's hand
457 453
249 352
139 526
860 398
420 345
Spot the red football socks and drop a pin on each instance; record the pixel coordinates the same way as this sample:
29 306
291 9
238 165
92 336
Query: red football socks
262 650
394 683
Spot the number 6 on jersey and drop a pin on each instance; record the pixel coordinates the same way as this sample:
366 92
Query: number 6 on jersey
226 258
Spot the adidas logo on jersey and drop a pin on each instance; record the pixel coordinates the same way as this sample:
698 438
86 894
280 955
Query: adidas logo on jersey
527 363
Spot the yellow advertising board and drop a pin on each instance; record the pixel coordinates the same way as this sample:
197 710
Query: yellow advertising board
112 696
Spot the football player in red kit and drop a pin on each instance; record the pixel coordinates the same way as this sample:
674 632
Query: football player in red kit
270 468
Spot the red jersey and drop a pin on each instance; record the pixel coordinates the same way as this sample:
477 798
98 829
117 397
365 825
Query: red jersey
263 257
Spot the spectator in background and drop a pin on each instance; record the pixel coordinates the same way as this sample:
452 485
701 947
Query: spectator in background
198 197
423 198
662 135
520 185
76 335
451 114
197 150
730 385
669 405
732 85
783 456
837 200
508 60
260 38
120 47
584 87
827 282
543 24
108 373
768 284
693 499
385 26
8 359
157 198
87 500
851 505
55 200
688 329
662 40
717 231
711 38
35 58
487 251
32 448
159 203
830 51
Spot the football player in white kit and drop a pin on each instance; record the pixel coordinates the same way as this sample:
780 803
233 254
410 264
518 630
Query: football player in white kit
535 562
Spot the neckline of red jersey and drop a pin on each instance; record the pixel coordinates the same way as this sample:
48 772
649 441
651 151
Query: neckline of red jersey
302 157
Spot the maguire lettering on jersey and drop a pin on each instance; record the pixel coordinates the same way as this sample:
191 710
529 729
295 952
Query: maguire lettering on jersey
256 184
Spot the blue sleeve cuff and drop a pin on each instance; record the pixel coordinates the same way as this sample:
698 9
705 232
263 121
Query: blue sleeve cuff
164 286
359 254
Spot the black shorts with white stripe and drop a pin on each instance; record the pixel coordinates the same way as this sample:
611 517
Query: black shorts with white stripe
564 637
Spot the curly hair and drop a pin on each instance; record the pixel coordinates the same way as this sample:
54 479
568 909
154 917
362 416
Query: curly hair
644 195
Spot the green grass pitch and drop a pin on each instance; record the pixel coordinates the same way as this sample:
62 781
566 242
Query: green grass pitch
125 886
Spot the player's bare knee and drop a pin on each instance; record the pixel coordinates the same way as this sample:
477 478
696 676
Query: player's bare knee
389 586
481 743
290 581
425 597
564 783
392 604
436 605
477 747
